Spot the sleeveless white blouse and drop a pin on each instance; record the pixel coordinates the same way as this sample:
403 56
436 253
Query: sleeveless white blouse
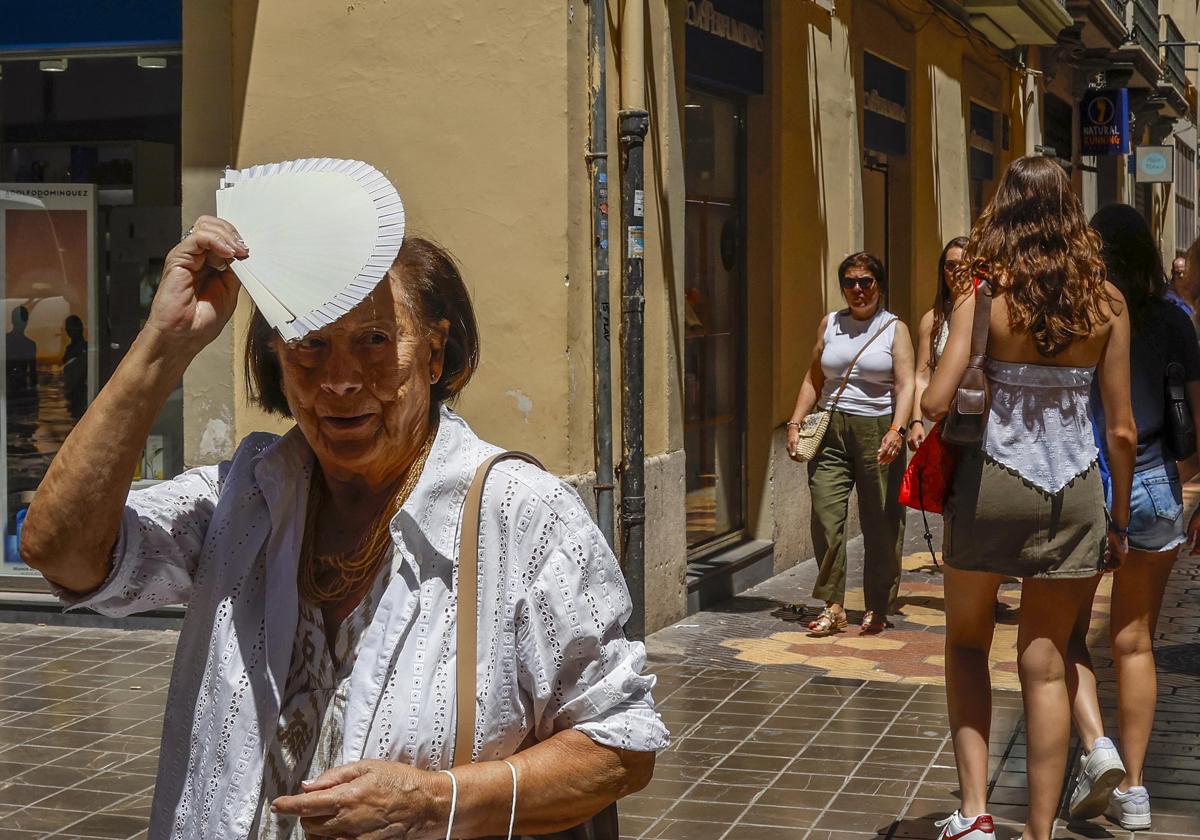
1040 424
871 391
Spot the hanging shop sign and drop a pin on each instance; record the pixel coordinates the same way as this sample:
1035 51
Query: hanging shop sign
726 40
1154 164
86 24
1104 123
885 106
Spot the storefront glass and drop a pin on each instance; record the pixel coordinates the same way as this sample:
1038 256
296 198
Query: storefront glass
89 205
714 425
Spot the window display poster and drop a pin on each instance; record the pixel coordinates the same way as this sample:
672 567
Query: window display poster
48 282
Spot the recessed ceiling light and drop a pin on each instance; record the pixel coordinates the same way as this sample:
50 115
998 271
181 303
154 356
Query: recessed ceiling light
151 62
53 65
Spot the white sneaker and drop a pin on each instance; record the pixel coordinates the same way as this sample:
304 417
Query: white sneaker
958 827
1099 775
1130 809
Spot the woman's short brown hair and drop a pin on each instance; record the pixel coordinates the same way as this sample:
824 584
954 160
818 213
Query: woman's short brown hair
864 260
433 288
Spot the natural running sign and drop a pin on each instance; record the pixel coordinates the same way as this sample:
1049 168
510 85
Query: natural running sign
1104 123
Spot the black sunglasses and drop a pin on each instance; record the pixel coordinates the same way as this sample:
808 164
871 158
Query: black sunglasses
849 283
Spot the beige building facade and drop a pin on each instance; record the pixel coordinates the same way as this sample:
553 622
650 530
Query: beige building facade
784 135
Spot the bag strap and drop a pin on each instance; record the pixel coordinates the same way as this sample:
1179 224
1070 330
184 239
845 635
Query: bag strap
982 322
467 617
846 379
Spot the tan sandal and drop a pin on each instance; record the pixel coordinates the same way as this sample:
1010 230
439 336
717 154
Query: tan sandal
873 623
828 623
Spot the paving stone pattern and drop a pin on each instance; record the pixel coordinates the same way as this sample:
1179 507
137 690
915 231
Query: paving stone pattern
80 719
782 738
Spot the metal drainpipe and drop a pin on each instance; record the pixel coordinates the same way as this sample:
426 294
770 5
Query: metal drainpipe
597 157
633 122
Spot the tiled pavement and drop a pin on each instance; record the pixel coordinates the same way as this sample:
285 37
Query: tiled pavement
80 716
775 735
778 734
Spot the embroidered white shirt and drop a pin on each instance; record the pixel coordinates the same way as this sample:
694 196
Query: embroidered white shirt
226 540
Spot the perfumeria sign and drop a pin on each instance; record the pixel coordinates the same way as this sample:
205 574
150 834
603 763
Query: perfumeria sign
705 17
726 40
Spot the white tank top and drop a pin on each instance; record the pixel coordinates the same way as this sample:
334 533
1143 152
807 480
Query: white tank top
871 389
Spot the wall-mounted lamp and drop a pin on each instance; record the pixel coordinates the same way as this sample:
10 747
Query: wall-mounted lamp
53 65
151 62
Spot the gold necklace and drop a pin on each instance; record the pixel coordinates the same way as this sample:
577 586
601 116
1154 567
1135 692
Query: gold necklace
326 580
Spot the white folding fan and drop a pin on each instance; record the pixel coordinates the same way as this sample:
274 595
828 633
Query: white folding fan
322 233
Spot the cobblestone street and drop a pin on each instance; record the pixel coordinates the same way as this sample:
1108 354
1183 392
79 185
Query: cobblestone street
775 734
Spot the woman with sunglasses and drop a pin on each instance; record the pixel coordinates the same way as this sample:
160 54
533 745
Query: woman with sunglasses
862 373
934 332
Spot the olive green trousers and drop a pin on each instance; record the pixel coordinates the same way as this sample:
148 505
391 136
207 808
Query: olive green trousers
848 459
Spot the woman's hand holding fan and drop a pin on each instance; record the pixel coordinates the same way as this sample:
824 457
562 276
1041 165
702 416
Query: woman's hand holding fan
198 290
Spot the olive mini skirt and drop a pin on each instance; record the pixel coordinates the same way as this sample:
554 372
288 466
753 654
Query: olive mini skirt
998 522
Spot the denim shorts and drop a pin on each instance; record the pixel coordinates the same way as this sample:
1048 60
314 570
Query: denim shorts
1156 509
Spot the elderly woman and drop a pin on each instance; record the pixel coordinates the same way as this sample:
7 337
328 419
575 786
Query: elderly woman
315 676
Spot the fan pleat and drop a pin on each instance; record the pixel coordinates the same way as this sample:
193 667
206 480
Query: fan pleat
319 244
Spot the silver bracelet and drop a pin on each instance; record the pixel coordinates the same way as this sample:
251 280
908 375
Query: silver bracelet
512 812
453 801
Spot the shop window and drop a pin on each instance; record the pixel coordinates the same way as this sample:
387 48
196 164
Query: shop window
1057 118
885 106
714 300
89 205
1185 196
981 154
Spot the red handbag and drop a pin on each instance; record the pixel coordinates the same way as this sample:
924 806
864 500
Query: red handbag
926 482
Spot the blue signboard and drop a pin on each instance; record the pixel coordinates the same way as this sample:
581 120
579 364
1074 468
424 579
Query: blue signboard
725 43
45 26
1104 123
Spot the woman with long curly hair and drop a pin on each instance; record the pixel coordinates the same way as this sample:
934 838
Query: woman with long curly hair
1028 503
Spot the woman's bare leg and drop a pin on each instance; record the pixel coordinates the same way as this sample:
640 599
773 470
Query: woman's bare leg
1137 598
970 622
1081 677
1049 609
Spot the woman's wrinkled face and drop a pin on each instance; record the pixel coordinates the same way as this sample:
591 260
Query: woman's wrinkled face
360 388
861 290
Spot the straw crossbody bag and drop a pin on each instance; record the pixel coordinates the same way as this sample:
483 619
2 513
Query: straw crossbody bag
603 826
811 430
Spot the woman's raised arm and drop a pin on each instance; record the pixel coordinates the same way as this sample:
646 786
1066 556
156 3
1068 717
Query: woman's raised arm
924 369
74 519
1119 425
935 401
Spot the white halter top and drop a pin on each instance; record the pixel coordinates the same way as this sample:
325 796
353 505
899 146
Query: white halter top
1040 425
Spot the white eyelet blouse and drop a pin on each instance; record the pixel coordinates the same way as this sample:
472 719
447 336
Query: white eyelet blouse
226 541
